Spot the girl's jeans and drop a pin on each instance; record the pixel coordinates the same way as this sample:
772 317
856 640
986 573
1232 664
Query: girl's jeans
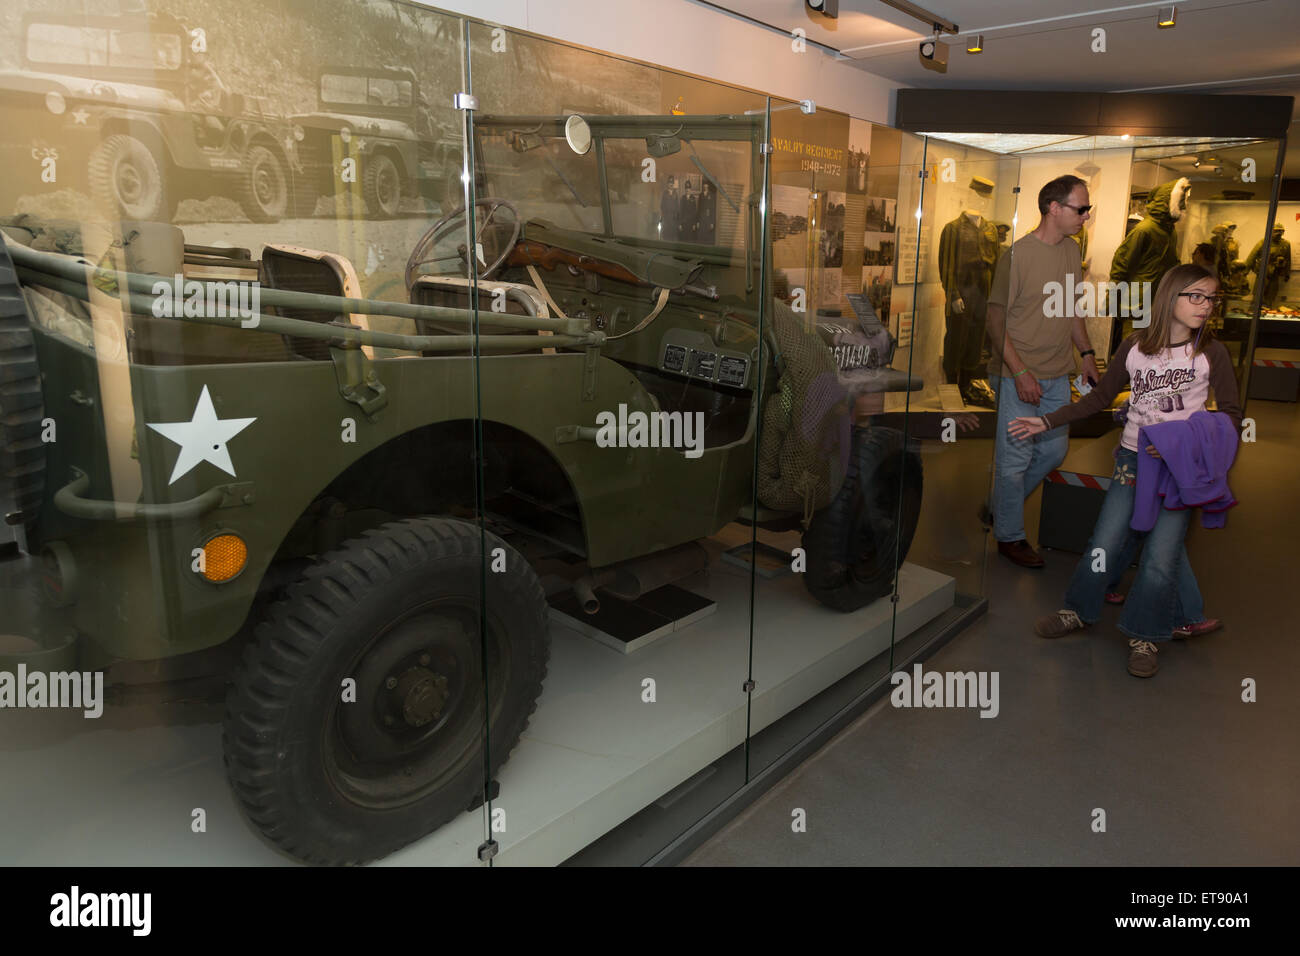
1191 607
1164 594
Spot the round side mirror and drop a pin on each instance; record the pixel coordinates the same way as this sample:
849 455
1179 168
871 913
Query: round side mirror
578 134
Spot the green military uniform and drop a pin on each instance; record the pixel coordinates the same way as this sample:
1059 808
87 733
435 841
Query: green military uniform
968 251
1150 250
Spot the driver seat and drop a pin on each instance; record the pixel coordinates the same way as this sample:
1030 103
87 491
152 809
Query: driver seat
453 292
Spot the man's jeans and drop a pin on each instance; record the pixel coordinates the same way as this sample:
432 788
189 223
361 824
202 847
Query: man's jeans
1021 466
1164 594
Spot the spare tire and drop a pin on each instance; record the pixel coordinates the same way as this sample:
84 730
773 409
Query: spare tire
854 544
22 453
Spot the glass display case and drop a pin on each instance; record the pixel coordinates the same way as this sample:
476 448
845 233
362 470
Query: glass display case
477 441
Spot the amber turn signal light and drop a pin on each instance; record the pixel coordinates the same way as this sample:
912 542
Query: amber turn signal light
224 557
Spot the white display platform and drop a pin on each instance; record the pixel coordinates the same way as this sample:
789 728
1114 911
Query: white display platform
78 792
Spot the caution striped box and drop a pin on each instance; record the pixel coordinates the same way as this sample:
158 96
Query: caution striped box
1071 503
1274 380
1276 363
1079 480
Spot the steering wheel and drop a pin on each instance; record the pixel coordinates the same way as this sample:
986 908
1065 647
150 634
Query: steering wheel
445 241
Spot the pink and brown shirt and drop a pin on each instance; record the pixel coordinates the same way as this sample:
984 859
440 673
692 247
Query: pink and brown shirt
1169 386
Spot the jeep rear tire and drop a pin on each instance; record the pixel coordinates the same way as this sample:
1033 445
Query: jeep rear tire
381 185
397 611
22 453
263 186
128 178
852 543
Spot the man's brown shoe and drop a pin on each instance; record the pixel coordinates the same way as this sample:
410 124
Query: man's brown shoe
1142 658
1020 553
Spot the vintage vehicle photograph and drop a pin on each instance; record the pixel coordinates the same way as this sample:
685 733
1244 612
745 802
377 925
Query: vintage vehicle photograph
132 109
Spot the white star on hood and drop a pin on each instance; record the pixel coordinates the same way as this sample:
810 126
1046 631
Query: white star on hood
202 438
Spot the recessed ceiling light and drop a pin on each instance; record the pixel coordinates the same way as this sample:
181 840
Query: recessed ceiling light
976 44
1125 136
1167 16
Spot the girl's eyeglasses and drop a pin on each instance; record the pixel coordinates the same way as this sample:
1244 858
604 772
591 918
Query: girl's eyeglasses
1199 298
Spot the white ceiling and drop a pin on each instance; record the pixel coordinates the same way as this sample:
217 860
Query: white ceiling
1217 46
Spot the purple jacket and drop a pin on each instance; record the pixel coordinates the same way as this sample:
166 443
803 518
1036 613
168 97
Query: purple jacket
1192 470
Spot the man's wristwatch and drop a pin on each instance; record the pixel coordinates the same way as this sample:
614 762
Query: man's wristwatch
1087 352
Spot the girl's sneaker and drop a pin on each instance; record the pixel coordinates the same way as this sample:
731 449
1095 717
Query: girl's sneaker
1198 628
1114 597
1142 658
1059 624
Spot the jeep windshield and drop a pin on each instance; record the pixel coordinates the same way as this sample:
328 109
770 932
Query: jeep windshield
60 44
343 89
664 179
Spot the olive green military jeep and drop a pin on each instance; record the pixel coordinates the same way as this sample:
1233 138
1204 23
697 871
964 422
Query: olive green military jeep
372 493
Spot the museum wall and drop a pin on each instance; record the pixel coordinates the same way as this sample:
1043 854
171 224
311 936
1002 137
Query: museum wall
681 35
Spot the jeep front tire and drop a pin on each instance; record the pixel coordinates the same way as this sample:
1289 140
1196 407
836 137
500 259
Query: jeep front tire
336 780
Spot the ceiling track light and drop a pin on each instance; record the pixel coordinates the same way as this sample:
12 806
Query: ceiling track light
1167 16
934 54
975 44
827 8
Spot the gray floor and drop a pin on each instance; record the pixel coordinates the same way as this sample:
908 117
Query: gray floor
1186 772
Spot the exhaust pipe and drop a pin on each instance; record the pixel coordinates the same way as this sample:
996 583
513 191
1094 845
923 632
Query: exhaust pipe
633 579
585 588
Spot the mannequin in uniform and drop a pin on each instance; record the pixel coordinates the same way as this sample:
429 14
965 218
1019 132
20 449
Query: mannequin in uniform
1275 269
1225 249
968 251
1151 248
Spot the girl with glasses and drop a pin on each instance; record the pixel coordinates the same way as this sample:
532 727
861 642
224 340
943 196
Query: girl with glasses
1171 367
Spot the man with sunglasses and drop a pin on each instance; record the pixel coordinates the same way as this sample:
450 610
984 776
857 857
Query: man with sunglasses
1032 357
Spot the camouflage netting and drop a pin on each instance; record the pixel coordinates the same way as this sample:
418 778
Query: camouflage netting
807 424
